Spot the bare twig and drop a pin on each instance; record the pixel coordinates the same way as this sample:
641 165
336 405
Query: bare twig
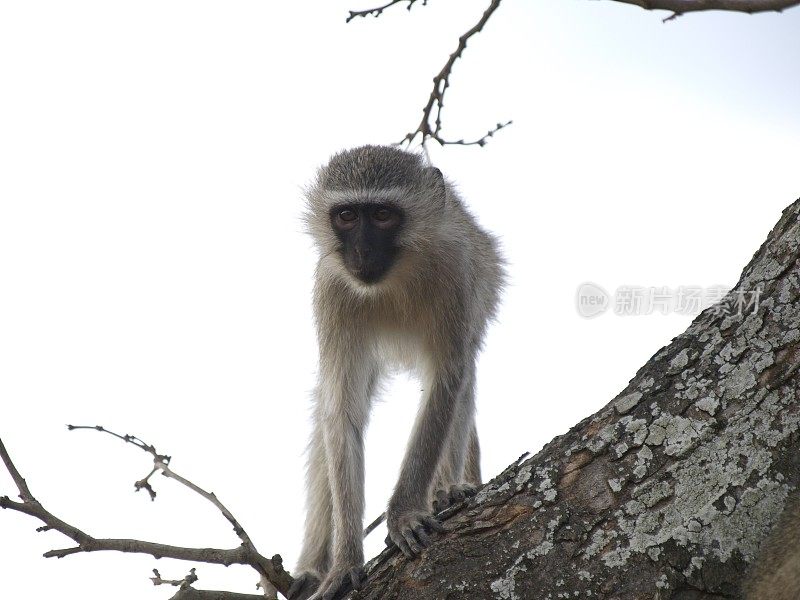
245 554
378 10
158 459
192 594
182 583
680 7
430 126
161 463
371 527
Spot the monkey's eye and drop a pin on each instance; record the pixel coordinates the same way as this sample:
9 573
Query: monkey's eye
347 215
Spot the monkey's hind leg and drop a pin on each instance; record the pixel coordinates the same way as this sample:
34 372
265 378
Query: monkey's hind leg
451 489
459 473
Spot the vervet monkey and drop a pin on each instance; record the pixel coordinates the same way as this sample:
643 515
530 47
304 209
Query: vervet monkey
775 574
406 278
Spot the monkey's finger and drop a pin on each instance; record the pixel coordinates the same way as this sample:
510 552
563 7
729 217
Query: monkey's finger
422 536
441 501
297 588
403 545
411 540
338 588
357 577
433 524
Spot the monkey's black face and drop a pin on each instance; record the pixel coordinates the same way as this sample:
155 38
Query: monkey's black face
368 234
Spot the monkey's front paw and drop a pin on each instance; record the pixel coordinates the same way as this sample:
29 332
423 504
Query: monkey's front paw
457 493
339 582
408 530
304 586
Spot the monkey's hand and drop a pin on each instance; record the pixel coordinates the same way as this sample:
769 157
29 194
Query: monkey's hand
304 586
457 493
408 529
340 581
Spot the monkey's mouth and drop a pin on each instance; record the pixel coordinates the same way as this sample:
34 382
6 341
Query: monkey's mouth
367 274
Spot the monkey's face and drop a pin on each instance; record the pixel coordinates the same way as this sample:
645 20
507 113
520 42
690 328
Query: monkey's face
367 234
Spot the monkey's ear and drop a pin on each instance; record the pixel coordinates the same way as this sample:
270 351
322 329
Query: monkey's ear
437 183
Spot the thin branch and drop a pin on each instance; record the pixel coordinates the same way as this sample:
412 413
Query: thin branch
182 583
680 7
161 463
245 554
371 527
377 11
430 126
192 594
19 481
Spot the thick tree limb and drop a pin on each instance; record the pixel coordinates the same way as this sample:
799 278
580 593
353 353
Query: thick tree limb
666 492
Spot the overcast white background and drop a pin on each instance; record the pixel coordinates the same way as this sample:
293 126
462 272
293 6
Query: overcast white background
155 278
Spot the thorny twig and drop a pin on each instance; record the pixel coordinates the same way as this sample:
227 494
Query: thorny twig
246 554
378 10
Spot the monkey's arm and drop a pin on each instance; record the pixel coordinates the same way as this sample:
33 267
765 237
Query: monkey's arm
408 516
346 388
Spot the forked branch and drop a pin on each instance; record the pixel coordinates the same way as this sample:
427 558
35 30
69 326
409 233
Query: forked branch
430 126
270 570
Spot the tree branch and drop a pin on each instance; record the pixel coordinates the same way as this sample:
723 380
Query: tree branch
192 594
377 11
430 126
245 554
679 7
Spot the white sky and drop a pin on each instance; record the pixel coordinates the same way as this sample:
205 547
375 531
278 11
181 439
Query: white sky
154 277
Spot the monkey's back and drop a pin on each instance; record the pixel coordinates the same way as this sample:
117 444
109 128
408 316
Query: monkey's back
485 263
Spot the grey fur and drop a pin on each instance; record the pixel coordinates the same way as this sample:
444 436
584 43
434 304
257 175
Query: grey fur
775 574
428 315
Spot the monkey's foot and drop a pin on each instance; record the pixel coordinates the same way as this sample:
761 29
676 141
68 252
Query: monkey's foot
409 530
303 587
457 493
339 582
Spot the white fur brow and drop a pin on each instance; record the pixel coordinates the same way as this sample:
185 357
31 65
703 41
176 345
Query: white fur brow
365 195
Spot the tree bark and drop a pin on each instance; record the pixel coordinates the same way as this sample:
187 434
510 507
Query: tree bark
666 492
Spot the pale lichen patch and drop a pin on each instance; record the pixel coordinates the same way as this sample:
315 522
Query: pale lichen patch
627 402
708 404
678 362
